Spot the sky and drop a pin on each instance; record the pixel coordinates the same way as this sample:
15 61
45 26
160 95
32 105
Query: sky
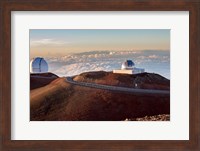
60 42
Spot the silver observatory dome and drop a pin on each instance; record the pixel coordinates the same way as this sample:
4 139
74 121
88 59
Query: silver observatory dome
38 65
128 65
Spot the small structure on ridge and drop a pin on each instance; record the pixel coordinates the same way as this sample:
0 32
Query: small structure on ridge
128 67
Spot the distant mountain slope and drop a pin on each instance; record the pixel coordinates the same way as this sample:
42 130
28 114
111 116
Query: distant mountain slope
60 100
142 80
41 79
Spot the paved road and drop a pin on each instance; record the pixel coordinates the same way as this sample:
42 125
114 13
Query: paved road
119 89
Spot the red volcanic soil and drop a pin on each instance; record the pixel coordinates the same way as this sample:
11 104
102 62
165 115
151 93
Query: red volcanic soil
141 80
62 101
41 79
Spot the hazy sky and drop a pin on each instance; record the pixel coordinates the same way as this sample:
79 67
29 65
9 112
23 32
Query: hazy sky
55 42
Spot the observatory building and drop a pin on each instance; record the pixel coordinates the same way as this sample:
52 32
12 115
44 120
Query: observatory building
128 67
38 65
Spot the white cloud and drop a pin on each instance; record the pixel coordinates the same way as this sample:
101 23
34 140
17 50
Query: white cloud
153 56
49 42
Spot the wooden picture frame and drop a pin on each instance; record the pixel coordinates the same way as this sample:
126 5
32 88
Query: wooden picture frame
7 6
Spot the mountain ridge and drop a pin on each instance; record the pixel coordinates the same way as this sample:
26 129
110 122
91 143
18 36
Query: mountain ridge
62 101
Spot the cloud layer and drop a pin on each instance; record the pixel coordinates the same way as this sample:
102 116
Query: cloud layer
152 61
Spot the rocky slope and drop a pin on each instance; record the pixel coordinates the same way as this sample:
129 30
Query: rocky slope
162 117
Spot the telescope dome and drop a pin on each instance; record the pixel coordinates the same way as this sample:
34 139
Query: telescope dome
38 65
128 64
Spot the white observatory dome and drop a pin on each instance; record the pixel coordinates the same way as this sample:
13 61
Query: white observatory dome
38 65
128 64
